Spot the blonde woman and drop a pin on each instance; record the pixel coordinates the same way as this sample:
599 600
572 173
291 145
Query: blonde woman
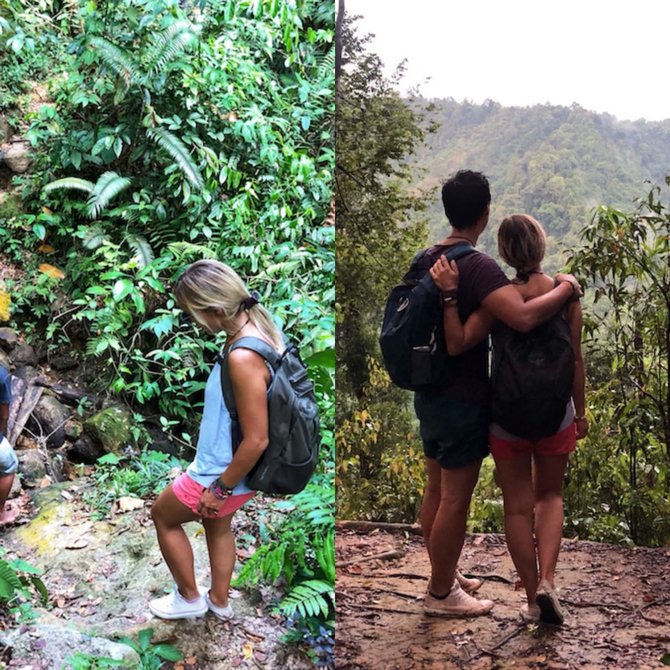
529 471
213 486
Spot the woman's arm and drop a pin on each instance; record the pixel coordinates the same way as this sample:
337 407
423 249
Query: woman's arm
579 382
250 378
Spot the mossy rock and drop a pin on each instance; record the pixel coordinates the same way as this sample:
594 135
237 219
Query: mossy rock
110 428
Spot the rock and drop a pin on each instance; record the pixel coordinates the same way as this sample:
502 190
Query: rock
32 466
17 155
47 421
110 428
160 441
72 429
23 354
5 361
86 450
4 129
8 338
55 645
63 363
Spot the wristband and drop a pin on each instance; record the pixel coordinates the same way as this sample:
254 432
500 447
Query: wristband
580 418
558 282
219 490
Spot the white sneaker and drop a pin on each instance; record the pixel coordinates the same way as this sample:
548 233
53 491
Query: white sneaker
175 606
457 604
223 613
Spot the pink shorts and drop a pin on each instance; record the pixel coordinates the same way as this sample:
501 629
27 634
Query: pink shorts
188 492
562 442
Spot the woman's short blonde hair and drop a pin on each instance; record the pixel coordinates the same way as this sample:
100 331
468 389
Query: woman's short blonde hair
210 284
521 242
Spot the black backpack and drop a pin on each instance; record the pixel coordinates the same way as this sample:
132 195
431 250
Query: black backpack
531 378
412 336
293 422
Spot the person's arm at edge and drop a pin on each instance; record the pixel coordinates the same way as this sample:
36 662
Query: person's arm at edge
579 382
507 305
4 418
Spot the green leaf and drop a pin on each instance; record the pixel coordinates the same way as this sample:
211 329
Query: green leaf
70 183
9 581
167 652
121 289
177 149
115 59
109 185
40 231
144 637
23 566
143 252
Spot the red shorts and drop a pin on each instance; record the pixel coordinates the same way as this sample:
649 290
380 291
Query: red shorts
188 492
562 442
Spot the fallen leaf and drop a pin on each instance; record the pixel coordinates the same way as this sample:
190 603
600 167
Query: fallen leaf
248 650
190 660
45 481
236 662
66 495
46 249
260 656
51 270
77 544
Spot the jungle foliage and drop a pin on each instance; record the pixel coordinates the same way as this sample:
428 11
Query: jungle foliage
162 132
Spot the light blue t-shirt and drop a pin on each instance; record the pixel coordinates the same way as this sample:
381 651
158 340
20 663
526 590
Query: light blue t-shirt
214 451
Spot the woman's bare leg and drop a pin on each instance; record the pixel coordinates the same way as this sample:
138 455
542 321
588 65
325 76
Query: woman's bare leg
221 548
168 515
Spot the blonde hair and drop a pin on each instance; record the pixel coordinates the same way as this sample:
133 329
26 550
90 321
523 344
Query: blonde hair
521 242
210 284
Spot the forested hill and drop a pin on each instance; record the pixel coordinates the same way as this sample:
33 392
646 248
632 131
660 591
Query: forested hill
553 162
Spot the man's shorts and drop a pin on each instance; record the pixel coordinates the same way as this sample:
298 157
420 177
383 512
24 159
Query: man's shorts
188 492
454 433
505 445
8 460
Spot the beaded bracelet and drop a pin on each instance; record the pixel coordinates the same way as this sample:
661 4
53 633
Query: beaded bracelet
219 490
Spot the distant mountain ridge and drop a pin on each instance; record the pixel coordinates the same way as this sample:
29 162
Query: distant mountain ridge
553 162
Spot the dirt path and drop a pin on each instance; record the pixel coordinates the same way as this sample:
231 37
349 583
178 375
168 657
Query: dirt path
618 600
101 574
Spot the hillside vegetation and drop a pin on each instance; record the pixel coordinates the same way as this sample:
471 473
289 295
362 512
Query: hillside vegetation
556 163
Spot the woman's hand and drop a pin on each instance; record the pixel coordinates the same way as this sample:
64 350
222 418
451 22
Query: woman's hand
209 505
445 274
582 426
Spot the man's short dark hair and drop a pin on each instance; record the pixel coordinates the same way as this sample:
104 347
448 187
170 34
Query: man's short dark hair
465 197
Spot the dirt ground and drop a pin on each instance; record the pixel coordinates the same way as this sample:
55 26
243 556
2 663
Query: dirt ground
617 601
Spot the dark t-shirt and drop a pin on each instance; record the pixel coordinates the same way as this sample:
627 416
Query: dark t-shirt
468 373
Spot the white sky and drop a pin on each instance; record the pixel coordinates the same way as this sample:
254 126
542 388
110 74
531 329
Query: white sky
606 56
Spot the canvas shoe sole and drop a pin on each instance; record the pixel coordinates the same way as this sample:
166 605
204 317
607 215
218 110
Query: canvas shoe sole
223 613
175 606
551 611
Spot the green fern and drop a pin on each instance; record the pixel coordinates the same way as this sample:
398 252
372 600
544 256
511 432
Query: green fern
325 555
108 186
168 44
178 150
9 581
116 59
143 252
71 183
94 237
312 598
184 250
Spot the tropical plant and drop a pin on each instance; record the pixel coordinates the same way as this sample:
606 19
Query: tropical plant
20 584
152 656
